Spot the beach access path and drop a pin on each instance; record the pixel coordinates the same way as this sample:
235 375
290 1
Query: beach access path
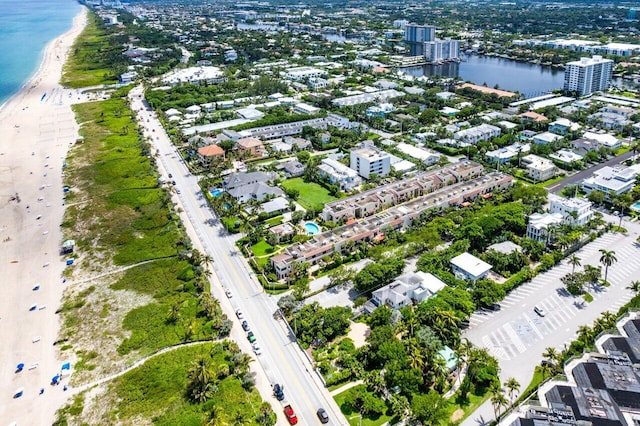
37 126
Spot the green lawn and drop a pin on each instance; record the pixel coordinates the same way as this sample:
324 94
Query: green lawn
468 406
274 221
312 195
262 248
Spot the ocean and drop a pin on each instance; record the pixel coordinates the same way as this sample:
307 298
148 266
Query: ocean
26 26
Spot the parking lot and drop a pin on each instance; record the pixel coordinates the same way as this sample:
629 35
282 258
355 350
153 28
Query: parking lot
516 327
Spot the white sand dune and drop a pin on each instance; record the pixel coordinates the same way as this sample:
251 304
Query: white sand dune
35 134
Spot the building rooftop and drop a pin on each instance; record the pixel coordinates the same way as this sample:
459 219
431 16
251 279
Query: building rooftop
471 264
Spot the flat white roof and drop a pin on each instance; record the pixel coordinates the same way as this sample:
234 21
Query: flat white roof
470 264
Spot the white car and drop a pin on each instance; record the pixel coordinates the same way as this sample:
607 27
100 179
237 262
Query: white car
539 311
239 314
228 293
256 349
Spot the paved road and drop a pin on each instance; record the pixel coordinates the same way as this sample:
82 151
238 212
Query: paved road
517 336
581 175
282 360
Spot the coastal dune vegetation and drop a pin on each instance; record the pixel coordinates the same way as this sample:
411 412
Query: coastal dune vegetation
138 287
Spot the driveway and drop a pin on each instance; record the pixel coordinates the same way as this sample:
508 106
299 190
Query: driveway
517 336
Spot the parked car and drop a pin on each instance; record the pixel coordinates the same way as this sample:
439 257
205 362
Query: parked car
256 349
278 392
228 293
245 325
291 415
170 175
239 314
538 310
322 415
251 337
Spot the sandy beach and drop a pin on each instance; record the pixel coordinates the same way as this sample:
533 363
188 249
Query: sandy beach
35 134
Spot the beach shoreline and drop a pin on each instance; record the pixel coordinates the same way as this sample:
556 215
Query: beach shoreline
36 132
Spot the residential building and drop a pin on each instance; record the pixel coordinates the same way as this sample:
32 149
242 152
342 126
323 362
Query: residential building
293 168
563 126
376 200
283 231
209 154
588 75
276 205
367 160
244 187
603 140
545 138
303 108
575 211
339 174
468 267
398 217
540 225
476 134
251 146
285 129
380 110
424 155
303 73
505 154
194 75
533 116
437 51
539 169
609 120
565 156
365 98
612 180
407 289
416 35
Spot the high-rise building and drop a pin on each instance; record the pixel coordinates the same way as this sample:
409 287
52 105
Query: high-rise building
442 50
415 36
588 75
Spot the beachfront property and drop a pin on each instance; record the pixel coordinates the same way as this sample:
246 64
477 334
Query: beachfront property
383 197
612 180
540 225
373 228
244 187
367 159
476 134
575 211
539 169
337 173
505 154
407 289
466 266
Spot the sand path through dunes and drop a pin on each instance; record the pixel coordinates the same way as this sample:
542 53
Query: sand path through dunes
35 134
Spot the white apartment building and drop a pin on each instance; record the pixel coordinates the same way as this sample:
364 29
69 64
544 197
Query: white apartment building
612 180
539 169
539 224
367 160
476 134
588 75
441 50
339 174
427 157
567 206
302 73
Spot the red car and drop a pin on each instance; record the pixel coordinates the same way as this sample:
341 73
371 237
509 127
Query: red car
291 415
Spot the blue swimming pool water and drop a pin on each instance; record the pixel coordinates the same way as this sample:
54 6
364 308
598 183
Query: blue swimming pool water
215 192
312 228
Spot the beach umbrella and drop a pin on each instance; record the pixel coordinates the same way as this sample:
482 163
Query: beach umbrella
20 366
18 393
36 287
33 307
66 366
55 380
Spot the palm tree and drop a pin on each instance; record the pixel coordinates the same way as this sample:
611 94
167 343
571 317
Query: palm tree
608 258
574 261
512 387
634 287
551 355
498 400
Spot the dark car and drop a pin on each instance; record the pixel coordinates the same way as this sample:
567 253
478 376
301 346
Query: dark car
322 415
245 325
277 392
494 307
173 182
170 175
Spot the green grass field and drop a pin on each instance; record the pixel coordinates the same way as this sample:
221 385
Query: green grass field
312 195
86 65
352 415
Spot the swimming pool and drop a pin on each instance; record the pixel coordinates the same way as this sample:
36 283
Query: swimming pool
215 192
312 228
636 206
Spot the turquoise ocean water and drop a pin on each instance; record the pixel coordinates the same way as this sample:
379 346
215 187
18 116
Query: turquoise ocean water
26 26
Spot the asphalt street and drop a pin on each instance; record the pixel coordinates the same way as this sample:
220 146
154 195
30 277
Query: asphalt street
517 336
581 175
282 360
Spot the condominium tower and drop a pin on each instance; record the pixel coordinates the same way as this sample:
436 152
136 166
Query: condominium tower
588 75
416 35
